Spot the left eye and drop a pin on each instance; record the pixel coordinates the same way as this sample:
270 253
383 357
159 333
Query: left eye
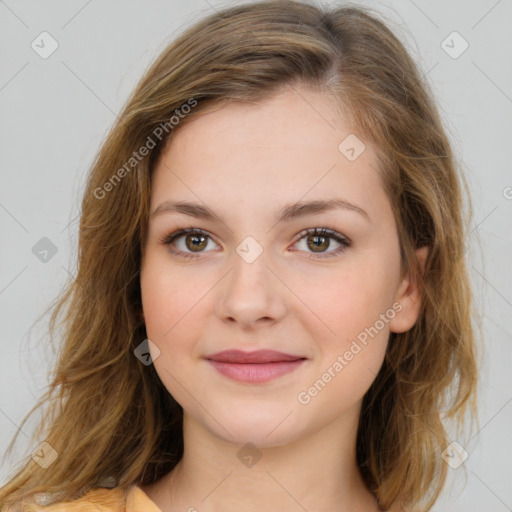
318 240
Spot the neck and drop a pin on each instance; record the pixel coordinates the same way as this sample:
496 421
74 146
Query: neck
318 471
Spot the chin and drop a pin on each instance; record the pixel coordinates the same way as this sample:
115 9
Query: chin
264 427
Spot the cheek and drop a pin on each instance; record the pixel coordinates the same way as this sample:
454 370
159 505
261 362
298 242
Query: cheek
347 301
172 310
347 361
354 309
170 297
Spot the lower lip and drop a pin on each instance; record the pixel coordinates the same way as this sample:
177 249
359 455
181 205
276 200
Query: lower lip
256 372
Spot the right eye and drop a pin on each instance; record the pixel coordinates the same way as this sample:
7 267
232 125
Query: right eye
191 239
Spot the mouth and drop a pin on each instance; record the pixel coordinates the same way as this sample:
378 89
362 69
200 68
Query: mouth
254 367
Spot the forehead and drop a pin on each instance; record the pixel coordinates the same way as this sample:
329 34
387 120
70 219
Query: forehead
285 148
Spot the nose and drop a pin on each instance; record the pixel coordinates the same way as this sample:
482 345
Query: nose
251 294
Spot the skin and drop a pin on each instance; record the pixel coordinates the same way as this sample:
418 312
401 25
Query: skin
245 162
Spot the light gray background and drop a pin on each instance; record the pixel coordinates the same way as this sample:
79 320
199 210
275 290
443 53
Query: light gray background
55 113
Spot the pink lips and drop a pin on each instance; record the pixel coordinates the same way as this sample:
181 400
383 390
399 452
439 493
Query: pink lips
257 366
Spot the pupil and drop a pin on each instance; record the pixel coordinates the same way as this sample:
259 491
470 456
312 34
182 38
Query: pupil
198 241
319 242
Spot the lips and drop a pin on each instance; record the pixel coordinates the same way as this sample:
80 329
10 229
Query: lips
255 357
254 367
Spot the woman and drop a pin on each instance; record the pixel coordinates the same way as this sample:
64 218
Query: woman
272 307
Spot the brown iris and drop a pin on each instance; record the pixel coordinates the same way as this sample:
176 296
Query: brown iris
198 242
315 245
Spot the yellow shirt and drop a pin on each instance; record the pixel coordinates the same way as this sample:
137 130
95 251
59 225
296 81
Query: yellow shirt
107 500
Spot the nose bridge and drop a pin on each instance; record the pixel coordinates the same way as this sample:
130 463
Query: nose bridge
251 291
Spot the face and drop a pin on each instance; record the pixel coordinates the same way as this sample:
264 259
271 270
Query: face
322 285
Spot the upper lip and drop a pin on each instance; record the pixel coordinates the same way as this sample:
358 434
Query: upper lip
257 356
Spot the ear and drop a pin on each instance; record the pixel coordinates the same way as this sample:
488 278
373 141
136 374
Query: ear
409 297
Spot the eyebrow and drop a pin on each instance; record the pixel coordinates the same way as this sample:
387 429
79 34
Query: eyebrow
286 213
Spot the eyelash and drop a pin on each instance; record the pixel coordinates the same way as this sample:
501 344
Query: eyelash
323 232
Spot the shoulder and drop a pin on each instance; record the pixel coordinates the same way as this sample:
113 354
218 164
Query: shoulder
100 499
116 499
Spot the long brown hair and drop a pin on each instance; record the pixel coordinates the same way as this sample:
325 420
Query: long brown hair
108 415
